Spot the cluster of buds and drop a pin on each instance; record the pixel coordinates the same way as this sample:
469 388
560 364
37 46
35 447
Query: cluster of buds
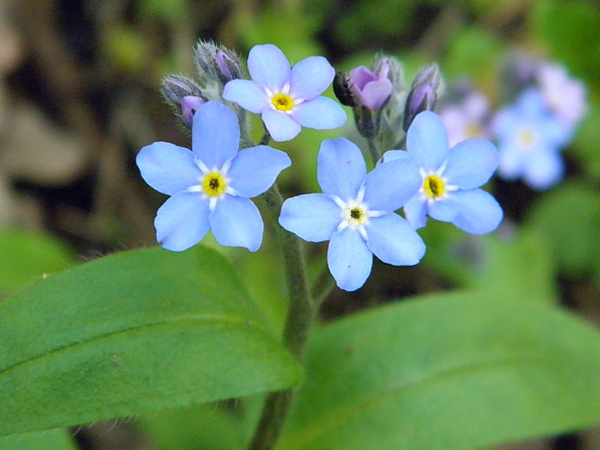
216 66
383 106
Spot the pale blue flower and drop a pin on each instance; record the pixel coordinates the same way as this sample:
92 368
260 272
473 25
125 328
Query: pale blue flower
210 187
450 178
530 138
356 213
286 97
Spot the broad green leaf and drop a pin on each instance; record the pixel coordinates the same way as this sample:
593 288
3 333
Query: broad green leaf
571 31
25 256
138 331
451 371
47 440
568 218
223 426
519 266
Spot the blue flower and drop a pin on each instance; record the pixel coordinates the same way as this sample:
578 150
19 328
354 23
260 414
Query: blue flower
210 186
356 213
287 98
530 139
449 177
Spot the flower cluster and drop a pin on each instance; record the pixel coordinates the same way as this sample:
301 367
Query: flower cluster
532 128
210 187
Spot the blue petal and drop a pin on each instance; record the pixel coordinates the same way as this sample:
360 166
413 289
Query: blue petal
313 217
391 184
322 113
182 221
512 161
236 222
310 77
543 170
444 210
478 211
215 134
392 155
341 168
471 163
349 259
415 211
255 169
168 168
394 241
247 94
268 67
281 126
427 141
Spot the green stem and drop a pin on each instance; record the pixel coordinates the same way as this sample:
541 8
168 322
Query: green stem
375 153
301 313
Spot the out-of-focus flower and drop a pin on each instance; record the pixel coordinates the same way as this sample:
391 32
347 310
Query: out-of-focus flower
211 186
530 139
356 213
467 119
564 95
287 98
450 178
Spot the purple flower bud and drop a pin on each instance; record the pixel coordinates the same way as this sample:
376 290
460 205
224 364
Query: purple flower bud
175 87
423 93
368 88
217 63
189 106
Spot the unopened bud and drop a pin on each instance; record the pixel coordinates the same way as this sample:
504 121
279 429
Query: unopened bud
189 106
217 64
184 96
423 94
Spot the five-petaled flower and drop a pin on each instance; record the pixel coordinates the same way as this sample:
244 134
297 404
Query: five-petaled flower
450 178
211 186
286 97
530 139
356 213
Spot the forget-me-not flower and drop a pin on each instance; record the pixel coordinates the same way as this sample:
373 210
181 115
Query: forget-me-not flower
466 119
450 177
356 213
210 186
530 138
565 96
287 97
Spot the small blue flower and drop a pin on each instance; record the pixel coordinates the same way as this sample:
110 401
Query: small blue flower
287 98
210 187
356 213
449 177
530 139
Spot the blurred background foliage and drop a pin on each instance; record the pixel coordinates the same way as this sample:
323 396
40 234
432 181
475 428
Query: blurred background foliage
79 97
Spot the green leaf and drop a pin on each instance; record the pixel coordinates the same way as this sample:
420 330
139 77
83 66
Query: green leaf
571 31
138 331
568 218
48 440
446 371
26 256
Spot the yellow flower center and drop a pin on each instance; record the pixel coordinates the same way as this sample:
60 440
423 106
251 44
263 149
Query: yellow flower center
213 184
434 186
355 215
282 102
526 137
472 130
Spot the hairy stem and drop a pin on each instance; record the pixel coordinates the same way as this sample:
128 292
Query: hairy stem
301 312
